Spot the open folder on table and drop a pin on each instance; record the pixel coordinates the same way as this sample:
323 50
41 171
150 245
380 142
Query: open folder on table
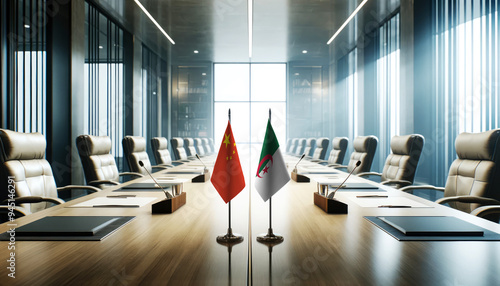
115 202
432 226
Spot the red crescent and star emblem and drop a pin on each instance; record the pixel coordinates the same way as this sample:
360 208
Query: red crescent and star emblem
264 161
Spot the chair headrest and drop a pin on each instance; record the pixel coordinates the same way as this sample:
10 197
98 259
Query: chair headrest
198 141
161 143
189 141
364 143
340 143
402 145
309 141
322 143
135 143
22 146
478 146
205 141
177 142
89 145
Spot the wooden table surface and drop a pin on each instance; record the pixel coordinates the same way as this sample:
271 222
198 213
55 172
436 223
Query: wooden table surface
318 248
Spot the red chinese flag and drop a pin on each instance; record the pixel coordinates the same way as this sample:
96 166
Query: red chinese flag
227 176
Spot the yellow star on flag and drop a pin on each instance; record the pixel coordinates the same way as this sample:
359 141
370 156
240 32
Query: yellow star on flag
226 140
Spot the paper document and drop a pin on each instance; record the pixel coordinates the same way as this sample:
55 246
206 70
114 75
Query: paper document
115 202
389 202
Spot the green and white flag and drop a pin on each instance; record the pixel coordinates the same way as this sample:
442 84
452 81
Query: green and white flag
272 174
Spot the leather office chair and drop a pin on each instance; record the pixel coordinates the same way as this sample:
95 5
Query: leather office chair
134 149
301 145
178 149
198 144
364 151
310 146
189 146
23 166
337 154
211 144
161 153
288 145
293 146
98 164
206 145
320 150
474 177
401 165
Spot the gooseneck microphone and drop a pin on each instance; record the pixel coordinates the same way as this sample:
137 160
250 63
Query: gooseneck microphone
332 194
197 156
301 157
167 194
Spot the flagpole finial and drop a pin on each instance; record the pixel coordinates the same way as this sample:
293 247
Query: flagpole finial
269 114
229 114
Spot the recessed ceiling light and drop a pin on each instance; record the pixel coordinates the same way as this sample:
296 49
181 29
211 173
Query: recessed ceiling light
101 47
154 21
347 21
304 51
195 51
204 73
297 73
27 26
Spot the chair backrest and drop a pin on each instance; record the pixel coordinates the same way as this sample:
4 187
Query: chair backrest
160 150
339 148
134 150
321 148
211 144
364 151
294 145
97 161
402 163
310 145
198 144
22 159
288 145
206 145
301 145
476 171
189 146
178 148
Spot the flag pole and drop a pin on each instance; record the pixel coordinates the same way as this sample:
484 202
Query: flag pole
230 238
270 238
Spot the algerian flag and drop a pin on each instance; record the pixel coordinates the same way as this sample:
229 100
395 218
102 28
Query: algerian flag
271 173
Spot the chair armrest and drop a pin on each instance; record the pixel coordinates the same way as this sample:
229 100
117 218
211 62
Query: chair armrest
338 166
131 174
17 210
469 199
401 183
485 211
166 165
365 174
178 162
410 189
163 167
91 189
36 199
97 183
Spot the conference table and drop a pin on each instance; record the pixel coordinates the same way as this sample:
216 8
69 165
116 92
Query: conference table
318 248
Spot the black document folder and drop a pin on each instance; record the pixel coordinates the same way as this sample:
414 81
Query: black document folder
432 226
354 186
69 228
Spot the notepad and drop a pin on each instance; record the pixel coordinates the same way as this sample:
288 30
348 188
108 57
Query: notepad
148 185
354 186
66 226
432 226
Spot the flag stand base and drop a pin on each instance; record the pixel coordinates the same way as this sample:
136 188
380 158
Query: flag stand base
229 237
270 238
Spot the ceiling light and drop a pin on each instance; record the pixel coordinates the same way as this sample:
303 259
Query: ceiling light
101 47
27 26
297 73
195 51
250 27
204 74
154 21
347 21
304 51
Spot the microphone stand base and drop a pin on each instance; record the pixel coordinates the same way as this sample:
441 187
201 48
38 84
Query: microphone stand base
229 239
201 178
168 206
300 178
330 206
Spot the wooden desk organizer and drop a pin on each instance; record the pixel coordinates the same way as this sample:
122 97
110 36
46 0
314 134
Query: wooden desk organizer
168 206
202 178
299 178
331 206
